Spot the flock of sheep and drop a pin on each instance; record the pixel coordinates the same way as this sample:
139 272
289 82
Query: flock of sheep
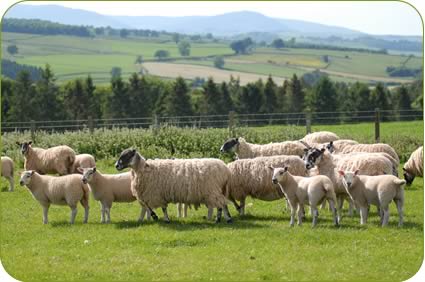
317 169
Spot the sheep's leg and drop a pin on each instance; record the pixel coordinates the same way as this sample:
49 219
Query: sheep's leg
350 208
300 214
242 207
143 212
166 218
340 201
218 218
400 212
108 213
73 213
291 222
179 210
185 207
237 207
45 214
86 211
315 214
102 213
334 213
363 215
11 184
386 215
227 215
323 206
210 213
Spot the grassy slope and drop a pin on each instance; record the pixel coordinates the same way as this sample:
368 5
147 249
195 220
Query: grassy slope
73 57
258 246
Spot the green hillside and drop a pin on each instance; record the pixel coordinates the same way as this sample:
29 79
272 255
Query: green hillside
72 57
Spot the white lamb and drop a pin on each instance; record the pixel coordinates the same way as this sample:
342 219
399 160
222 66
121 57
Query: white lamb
250 177
57 159
245 150
378 190
108 188
328 164
190 181
62 190
320 137
7 168
300 190
83 161
414 166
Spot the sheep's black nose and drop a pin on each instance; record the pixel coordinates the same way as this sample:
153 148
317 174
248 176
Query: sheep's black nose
274 180
21 183
85 181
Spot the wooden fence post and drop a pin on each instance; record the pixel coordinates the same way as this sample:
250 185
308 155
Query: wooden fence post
155 125
32 128
377 124
231 123
90 124
308 122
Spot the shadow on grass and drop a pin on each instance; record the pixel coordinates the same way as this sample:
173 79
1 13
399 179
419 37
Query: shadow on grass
182 225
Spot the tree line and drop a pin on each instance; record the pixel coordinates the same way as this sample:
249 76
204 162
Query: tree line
143 96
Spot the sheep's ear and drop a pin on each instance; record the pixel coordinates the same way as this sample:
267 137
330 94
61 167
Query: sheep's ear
322 150
80 170
356 171
29 143
146 165
32 172
341 172
237 139
94 169
404 169
17 143
305 150
133 151
285 169
331 143
271 167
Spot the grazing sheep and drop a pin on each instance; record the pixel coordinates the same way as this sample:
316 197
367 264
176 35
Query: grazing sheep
62 190
328 164
414 166
7 168
250 177
83 161
300 190
190 181
320 137
373 148
377 190
57 159
245 150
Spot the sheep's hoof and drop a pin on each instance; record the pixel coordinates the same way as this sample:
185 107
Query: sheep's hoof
154 216
167 221
217 220
230 220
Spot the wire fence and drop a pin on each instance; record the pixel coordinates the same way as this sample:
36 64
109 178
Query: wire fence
229 120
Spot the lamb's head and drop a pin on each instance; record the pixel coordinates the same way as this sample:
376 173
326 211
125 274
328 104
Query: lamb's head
278 173
330 147
26 177
230 145
348 178
87 174
409 177
129 158
312 157
24 146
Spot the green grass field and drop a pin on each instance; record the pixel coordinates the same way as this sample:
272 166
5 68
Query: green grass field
72 57
257 246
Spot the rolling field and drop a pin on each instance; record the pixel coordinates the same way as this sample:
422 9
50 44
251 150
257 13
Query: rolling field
257 246
72 57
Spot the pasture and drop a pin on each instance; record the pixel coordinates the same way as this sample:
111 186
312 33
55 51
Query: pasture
73 57
257 246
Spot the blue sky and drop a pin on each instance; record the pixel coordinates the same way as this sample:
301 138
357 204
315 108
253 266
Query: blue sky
378 17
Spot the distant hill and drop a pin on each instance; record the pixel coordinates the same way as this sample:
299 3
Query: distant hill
235 25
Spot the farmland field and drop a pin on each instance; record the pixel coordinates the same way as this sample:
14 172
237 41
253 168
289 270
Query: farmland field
257 246
73 57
